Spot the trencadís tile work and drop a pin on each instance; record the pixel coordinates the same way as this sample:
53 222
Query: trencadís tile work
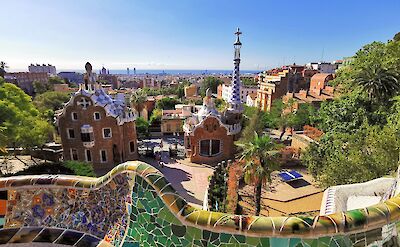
134 205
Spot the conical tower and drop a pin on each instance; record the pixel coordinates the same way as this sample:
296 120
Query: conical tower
234 101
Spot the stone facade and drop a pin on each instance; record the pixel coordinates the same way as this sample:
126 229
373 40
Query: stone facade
24 80
117 147
220 143
96 128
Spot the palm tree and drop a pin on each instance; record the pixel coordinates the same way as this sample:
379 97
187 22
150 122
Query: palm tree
380 83
259 154
3 67
137 100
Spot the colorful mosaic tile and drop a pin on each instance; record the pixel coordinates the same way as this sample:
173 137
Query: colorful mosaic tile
134 205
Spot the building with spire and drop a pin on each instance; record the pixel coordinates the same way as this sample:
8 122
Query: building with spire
210 134
96 128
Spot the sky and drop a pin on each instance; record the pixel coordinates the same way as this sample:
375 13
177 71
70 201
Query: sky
189 34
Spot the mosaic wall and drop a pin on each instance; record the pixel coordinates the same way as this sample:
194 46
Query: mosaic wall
134 205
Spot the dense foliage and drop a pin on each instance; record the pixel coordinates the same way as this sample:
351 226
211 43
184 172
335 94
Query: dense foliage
48 102
211 83
80 168
362 134
20 121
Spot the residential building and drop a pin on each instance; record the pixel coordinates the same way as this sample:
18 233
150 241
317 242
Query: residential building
325 67
96 128
251 99
71 77
25 80
64 88
224 92
191 91
275 83
172 120
44 68
209 134
318 92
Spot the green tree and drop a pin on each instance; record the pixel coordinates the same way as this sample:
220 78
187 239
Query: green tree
167 103
19 118
80 168
254 123
41 87
138 99
248 81
48 102
3 67
155 117
209 82
342 158
259 154
56 80
396 37
142 127
380 83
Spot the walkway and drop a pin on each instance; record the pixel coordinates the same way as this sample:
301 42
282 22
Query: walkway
190 181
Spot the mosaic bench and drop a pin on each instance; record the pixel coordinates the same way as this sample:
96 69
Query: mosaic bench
134 205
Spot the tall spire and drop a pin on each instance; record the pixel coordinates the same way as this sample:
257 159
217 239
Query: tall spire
234 100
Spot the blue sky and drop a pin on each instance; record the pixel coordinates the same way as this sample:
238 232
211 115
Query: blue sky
189 34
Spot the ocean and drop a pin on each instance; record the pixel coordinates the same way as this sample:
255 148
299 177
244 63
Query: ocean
171 72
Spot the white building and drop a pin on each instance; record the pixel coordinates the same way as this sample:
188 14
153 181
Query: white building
324 67
244 91
251 100
37 68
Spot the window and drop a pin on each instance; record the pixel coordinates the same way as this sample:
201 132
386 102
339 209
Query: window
97 116
103 156
85 137
71 133
74 116
107 133
210 147
168 128
88 155
132 146
74 154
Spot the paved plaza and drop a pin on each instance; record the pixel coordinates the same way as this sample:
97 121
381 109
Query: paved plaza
190 181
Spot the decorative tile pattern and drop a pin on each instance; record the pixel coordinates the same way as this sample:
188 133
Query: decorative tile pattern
134 205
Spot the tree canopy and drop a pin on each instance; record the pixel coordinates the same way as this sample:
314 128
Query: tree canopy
361 127
20 120
209 82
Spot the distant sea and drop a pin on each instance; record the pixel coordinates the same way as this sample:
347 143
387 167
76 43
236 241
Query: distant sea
170 72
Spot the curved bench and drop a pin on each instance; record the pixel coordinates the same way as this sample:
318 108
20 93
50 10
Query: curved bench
153 214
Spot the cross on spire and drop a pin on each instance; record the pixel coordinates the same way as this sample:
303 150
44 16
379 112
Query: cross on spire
84 103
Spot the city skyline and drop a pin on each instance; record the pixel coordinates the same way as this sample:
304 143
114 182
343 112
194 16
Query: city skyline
194 36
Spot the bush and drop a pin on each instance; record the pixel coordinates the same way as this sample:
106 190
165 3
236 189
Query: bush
80 168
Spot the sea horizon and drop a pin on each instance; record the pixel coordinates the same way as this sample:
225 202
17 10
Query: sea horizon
160 71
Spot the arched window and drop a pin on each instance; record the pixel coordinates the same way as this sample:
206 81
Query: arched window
210 148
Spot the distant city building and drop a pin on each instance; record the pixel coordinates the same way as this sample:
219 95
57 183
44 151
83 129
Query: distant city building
172 120
25 80
191 91
324 67
224 91
64 88
318 92
251 99
44 68
72 77
209 134
275 83
96 128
